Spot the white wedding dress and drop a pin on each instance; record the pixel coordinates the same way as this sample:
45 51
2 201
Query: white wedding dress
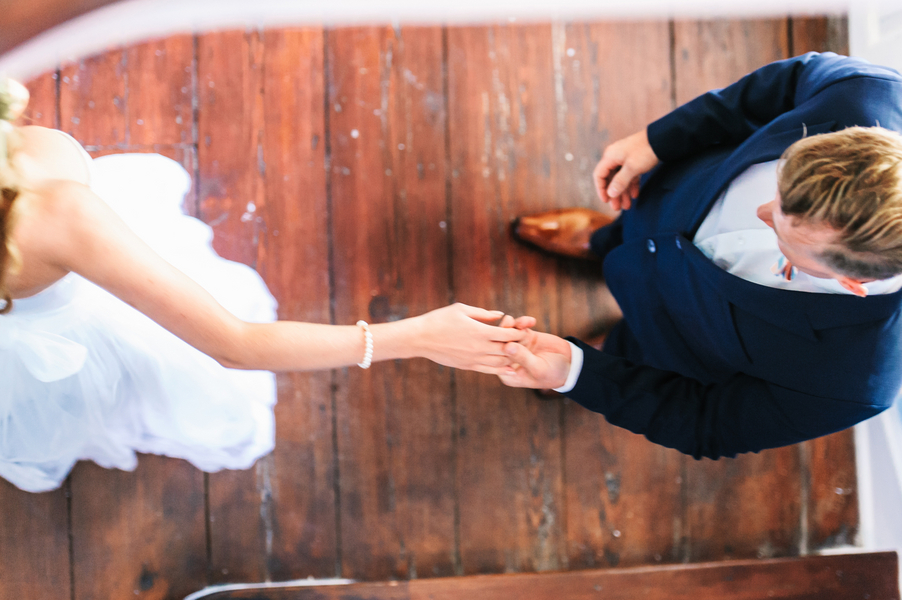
85 376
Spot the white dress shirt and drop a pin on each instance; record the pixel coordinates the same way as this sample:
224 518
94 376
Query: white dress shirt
737 241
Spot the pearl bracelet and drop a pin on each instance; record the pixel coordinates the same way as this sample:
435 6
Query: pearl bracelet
368 338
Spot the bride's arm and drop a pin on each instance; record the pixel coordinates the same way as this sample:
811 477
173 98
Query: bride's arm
82 234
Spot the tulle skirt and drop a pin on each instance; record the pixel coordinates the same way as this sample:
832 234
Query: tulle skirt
85 376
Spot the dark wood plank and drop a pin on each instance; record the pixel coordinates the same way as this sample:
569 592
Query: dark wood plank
623 493
713 54
502 152
614 79
745 507
231 200
269 522
624 502
34 544
748 506
295 264
43 106
92 99
160 91
139 534
820 34
230 127
395 428
842 577
832 491
183 154
829 481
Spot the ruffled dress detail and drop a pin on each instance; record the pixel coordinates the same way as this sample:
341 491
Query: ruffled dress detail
84 376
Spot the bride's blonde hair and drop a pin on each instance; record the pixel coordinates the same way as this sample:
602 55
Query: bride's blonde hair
13 100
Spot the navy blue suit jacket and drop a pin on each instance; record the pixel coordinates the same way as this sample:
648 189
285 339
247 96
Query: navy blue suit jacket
706 362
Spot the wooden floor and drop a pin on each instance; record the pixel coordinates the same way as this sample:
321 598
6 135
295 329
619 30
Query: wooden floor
837 577
372 173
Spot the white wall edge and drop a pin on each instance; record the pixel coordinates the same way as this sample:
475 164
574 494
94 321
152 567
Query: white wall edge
131 21
866 516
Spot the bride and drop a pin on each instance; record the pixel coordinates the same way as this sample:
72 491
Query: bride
122 331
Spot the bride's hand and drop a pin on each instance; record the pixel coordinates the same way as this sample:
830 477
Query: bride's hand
465 337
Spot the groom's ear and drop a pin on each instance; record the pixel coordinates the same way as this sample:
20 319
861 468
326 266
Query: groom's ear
853 285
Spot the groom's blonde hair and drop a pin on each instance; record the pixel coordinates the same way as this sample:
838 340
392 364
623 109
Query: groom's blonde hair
851 181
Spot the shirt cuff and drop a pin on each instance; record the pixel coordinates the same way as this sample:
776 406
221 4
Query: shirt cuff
576 365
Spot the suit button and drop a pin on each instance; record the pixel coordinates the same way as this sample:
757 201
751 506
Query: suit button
679 245
651 246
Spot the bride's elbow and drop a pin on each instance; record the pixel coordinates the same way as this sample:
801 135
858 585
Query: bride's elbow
230 362
232 351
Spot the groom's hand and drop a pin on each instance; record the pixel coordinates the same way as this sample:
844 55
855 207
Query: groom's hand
539 360
622 164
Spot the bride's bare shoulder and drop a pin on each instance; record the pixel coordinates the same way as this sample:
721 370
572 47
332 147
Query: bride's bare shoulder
54 206
47 219
50 214
35 134
54 178
48 154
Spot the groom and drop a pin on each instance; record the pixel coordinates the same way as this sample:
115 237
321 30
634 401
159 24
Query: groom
760 296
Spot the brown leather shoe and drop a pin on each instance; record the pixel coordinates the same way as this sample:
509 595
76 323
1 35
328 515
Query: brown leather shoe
565 231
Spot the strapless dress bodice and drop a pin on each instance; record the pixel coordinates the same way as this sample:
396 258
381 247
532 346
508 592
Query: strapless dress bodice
85 376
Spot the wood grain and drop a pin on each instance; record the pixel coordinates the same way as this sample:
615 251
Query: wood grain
623 493
93 99
745 507
160 91
832 491
820 34
843 577
34 544
612 79
43 106
714 54
232 201
502 152
748 506
139 534
390 242
829 485
230 129
299 508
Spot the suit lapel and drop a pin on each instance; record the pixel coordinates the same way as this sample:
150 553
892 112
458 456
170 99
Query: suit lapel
764 146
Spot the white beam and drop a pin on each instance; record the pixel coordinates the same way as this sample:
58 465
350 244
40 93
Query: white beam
130 21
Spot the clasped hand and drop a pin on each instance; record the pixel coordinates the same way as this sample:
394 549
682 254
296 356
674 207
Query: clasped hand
542 360
487 341
466 337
